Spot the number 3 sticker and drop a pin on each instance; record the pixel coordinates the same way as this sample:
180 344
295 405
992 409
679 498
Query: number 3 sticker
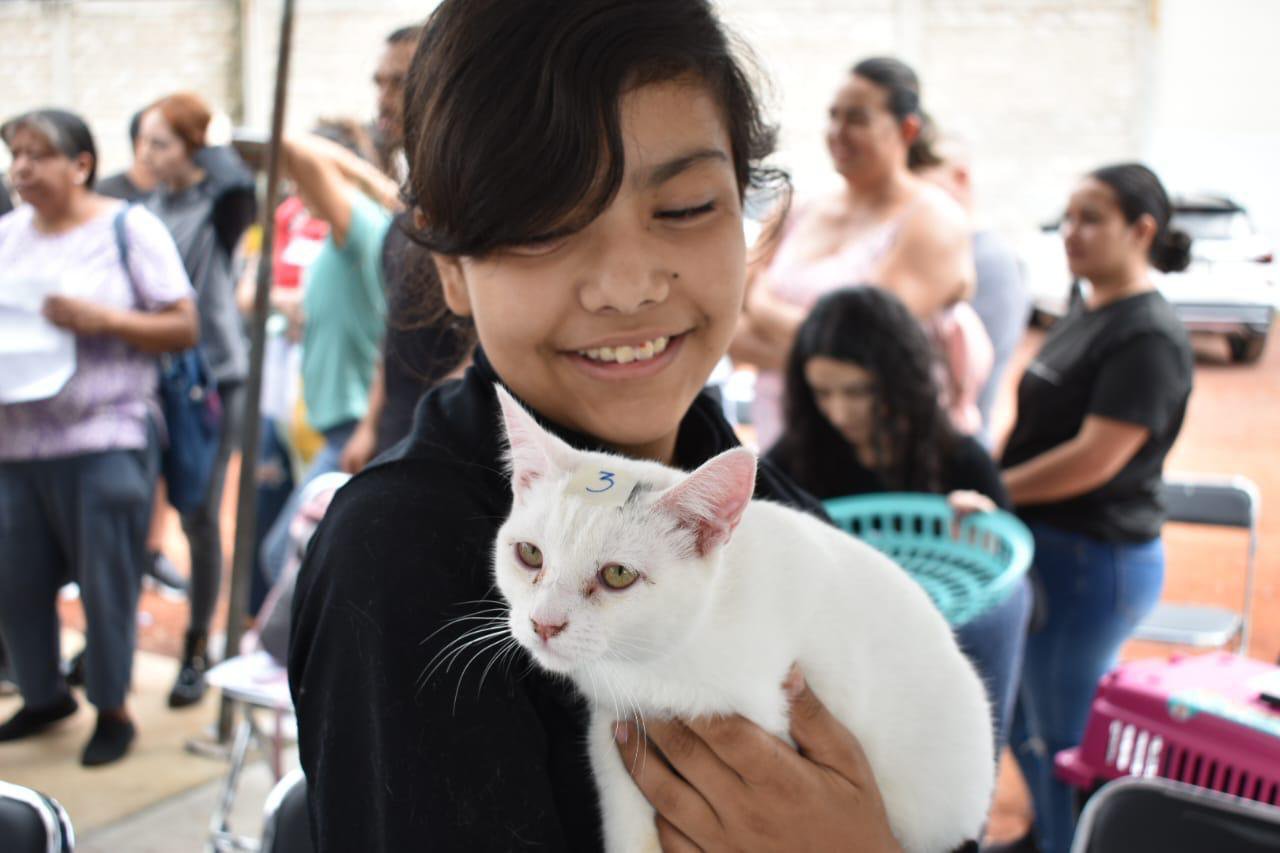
598 486
606 477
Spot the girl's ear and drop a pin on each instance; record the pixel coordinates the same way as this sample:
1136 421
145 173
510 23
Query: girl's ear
710 501
532 452
911 126
454 284
1144 230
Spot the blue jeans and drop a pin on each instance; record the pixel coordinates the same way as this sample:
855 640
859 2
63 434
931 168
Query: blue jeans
275 547
994 642
1095 594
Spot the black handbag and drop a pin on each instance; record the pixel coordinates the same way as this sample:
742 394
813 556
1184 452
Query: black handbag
191 407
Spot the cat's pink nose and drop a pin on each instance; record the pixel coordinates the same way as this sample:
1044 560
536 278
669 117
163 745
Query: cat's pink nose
546 631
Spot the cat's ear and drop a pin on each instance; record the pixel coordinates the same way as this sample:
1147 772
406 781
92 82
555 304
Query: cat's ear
710 501
532 452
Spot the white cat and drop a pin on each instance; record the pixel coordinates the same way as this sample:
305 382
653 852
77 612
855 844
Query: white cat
676 595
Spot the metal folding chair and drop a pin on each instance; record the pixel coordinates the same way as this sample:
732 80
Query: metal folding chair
31 822
255 685
1210 500
286 827
1154 815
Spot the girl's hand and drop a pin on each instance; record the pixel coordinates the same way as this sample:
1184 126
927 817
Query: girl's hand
726 784
78 315
965 503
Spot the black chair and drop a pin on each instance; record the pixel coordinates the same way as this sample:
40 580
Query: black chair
286 827
1212 500
30 822
1155 815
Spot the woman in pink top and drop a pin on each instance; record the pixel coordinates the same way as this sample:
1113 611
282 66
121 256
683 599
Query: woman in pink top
885 227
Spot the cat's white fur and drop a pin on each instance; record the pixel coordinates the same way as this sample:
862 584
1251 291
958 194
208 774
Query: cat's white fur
733 592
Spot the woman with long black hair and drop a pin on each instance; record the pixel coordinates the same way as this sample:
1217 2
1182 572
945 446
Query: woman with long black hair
862 416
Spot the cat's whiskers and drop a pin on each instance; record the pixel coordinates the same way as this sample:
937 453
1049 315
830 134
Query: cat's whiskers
498 611
491 627
500 641
497 657
625 707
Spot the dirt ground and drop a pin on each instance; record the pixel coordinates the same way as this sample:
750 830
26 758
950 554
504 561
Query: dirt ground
1231 428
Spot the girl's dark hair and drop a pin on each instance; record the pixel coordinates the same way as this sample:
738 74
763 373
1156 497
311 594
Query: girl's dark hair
870 328
66 132
902 85
1139 191
512 128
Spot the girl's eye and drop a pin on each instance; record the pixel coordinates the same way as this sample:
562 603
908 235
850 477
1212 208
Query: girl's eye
529 554
616 576
686 213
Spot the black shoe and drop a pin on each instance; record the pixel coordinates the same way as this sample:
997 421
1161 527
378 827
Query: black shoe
110 741
32 721
189 688
73 670
164 572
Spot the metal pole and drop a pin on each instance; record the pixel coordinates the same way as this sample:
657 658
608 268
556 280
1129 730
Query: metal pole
242 561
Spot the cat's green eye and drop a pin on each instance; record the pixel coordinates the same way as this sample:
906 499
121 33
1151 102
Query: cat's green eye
617 576
529 554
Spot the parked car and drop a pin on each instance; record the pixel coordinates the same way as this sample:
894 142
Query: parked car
1231 288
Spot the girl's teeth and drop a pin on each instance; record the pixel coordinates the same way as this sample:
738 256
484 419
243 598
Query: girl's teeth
627 354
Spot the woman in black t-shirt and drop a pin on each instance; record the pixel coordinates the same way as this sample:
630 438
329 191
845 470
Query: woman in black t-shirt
862 415
1098 410
578 171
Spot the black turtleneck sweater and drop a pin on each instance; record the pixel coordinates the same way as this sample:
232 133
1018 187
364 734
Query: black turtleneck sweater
395 762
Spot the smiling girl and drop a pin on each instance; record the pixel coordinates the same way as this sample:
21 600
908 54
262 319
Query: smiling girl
578 170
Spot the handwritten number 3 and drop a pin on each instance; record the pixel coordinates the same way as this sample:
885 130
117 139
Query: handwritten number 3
605 477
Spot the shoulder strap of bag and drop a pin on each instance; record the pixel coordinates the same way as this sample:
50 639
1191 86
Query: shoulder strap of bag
122 246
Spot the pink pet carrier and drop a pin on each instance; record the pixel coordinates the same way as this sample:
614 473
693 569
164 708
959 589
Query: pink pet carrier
1198 719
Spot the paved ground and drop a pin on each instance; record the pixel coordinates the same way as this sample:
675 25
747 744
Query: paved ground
1231 427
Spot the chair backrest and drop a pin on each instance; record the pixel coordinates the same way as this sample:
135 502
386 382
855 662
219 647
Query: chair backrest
1226 501
1154 815
286 826
30 822
1202 499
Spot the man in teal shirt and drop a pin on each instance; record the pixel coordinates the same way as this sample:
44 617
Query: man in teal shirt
344 304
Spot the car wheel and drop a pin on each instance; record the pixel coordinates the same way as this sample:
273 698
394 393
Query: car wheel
1246 347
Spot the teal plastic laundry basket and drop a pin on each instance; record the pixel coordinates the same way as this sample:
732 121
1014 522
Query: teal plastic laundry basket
964 574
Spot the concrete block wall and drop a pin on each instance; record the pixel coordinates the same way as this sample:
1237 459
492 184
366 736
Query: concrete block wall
1043 88
106 58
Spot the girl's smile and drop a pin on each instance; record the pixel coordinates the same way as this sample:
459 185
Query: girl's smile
612 330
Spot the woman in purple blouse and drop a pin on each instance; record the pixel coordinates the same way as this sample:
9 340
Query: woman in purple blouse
78 463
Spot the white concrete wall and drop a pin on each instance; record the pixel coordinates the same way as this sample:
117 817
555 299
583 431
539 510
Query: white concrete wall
1044 88
1215 118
